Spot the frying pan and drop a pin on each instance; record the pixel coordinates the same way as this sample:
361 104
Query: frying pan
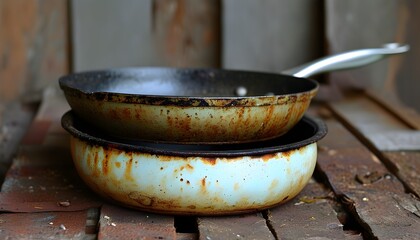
203 106
195 179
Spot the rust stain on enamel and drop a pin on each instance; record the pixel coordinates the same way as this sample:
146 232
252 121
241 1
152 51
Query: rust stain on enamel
274 184
105 162
211 161
95 167
141 199
114 114
188 166
128 169
268 157
126 113
117 164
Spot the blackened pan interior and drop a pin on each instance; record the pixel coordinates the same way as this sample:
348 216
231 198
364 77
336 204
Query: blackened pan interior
307 130
185 82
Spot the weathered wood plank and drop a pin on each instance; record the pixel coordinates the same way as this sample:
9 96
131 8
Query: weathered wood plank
122 223
271 35
15 119
408 168
371 121
186 33
40 178
57 225
183 33
379 22
365 185
248 226
33 47
108 33
309 215
407 115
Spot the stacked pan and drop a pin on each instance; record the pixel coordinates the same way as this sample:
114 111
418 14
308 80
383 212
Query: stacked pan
199 141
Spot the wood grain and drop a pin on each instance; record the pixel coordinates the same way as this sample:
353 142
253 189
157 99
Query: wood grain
33 46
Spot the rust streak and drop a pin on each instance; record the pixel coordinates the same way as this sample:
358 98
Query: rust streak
105 163
211 161
126 113
128 169
203 182
274 184
114 114
268 157
95 171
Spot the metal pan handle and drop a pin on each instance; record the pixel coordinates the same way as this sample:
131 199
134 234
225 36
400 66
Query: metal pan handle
347 60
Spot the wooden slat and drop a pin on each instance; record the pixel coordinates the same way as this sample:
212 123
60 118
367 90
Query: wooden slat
249 226
109 34
369 119
186 33
372 121
271 35
408 166
33 46
40 178
365 185
183 33
15 119
407 115
309 215
57 225
122 223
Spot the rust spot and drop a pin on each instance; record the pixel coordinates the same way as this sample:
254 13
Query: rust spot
169 120
141 199
190 167
181 179
117 164
211 161
88 161
301 150
126 113
95 160
274 184
161 168
289 153
181 168
95 170
114 114
128 167
105 163
203 182
285 198
268 157
188 181
139 113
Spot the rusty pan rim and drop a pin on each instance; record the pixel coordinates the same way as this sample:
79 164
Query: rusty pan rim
65 83
70 123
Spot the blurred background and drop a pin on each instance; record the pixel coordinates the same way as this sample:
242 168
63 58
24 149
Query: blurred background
41 40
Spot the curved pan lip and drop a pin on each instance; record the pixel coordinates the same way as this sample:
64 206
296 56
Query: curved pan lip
69 123
65 85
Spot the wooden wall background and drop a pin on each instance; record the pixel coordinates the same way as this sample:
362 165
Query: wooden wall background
41 40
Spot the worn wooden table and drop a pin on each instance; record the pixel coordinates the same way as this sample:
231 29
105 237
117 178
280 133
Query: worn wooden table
366 185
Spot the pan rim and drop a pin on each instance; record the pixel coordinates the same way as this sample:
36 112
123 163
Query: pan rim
319 131
209 101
